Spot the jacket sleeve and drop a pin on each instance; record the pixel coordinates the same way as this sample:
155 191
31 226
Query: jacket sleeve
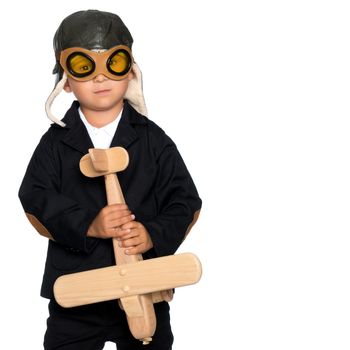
177 201
63 219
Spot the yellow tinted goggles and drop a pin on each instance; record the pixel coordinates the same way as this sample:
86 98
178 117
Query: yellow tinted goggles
83 65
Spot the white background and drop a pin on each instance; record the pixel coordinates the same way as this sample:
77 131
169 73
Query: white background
256 96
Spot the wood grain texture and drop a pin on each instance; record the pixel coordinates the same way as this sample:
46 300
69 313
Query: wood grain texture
139 309
121 281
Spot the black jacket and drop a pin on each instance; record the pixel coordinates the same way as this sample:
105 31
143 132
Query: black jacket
156 185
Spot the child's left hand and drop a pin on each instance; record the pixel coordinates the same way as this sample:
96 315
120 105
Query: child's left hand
134 237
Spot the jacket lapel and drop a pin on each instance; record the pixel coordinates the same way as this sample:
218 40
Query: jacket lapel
126 134
77 136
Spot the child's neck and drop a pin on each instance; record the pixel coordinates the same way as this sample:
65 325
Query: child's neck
100 118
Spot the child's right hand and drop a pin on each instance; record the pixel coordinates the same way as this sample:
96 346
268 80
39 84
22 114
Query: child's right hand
108 220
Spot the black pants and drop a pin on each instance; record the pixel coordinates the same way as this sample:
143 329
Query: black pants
88 327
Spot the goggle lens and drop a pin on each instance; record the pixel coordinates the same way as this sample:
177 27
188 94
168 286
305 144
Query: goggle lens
80 65
119 62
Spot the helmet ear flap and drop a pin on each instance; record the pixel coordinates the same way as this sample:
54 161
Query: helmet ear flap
58 70
134 93
56 91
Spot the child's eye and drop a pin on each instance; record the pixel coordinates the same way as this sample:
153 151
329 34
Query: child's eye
80 64
119 62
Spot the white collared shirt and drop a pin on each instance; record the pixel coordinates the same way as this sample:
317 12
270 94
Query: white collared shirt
101 137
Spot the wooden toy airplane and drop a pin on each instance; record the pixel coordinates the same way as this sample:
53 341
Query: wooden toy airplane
136 283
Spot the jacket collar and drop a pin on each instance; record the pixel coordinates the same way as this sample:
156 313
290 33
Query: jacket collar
78 138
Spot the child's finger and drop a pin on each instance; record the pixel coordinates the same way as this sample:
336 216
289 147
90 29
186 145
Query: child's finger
135 250
131 242
123 234
117 207
122 221
114 215
131 225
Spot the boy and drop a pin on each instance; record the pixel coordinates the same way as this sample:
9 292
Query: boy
94 61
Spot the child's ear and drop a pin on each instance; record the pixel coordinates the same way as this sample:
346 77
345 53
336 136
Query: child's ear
67 87
131 75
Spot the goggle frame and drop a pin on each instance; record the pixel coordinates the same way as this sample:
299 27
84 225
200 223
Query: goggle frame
100 62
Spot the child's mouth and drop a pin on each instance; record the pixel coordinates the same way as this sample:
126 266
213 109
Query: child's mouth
102 92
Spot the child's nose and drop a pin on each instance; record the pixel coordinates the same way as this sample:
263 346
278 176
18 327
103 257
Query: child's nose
100 78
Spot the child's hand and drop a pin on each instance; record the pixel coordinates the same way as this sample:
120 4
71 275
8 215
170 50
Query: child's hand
107 222
134 237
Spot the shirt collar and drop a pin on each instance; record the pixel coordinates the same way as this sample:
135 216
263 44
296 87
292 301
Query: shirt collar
109 129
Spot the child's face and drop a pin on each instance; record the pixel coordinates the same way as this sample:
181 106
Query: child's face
99 94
